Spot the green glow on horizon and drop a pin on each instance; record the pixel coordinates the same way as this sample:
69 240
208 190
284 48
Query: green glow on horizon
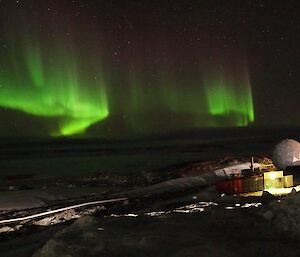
230 98
50 83
172 102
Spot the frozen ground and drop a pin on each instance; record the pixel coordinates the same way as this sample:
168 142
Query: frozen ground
53 173
200 223
204 229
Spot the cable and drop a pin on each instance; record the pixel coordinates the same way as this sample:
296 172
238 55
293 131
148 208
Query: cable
60 210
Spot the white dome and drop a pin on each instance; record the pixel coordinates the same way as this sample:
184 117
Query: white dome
286 153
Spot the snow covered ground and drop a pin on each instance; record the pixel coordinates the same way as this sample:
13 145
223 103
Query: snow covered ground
205 229
193 224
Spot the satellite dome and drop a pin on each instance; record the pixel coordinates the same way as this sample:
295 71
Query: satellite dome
286 153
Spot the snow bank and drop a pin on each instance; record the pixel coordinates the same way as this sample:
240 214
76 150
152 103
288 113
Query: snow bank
82 238
285 214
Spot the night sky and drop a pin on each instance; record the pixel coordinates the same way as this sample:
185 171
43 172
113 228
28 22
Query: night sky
100 68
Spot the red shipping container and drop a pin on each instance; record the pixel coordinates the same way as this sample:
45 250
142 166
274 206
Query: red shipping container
229 187
234 186
220 186
237 185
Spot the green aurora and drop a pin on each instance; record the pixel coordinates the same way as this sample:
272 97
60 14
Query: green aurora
38 87
220 100
51 85
54 78
226 98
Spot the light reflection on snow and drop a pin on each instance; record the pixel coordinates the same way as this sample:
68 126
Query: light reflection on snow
157 213
124 215
246 205
195 207
190 208
189 211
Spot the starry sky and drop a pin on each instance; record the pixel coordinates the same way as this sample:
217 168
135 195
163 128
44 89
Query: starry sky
105 68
